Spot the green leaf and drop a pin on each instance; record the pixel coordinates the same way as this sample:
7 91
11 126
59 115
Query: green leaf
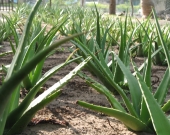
130 121
119 76
147 78
156 114
103 90
165 48
7 89
162 90
166 106
17 113
43 99
134 88
98 36
29 114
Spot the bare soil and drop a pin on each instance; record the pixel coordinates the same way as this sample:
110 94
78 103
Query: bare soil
63 116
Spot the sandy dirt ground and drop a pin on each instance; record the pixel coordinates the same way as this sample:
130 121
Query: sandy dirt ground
63 116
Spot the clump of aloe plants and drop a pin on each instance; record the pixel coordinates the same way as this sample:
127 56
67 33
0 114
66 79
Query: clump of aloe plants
30 53
144 110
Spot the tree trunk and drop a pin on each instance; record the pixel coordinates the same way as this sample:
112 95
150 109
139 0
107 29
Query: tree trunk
83 2
112 7
146 6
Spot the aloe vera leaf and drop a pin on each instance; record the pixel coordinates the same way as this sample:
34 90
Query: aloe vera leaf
28 83
113 64
162 90
40 101
19 126
6 89
165 48
144 116
156 114
103 62
103 90
48 41
15 63
106 53
103 42
147 74
20 52
166 106
98 38
30 51
16 114
50 35
134 88
91 45
143 40
37 73
12 27
119 76
157 58
130 121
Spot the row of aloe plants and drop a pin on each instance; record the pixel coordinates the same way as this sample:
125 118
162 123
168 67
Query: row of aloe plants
138 31
143 111
111 69
84 18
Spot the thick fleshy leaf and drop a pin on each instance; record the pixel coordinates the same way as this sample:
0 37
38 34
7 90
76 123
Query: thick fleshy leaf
162 90
147 74
164 46
43 99
130 121
134 88
119 76
7 89
144 116
166 107
156 114
103 90
25 119
17 113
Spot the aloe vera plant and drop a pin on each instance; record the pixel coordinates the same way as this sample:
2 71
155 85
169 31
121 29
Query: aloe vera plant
14 116
5 31
143 111
96 45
